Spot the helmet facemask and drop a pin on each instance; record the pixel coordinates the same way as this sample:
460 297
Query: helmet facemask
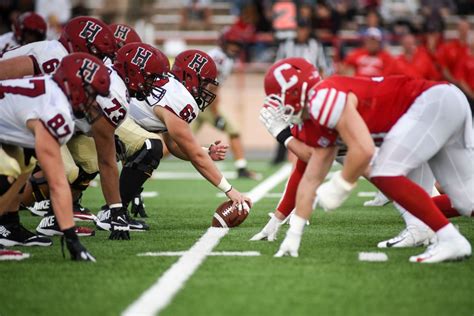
205 96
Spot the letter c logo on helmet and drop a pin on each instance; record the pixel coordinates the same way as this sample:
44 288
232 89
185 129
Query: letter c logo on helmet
280 78
88 70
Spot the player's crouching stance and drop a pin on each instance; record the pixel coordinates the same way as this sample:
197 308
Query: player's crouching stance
37 115
421 129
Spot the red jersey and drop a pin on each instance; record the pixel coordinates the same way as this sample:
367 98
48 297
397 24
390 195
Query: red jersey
465 70
450 53
381 101
420 66
366 65
313 134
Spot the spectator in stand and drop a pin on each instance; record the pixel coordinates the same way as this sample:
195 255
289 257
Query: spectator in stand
433 38
449 53
373 19
371 60
415 60
464 74
326 21
197 10
400 14
346 9
437 9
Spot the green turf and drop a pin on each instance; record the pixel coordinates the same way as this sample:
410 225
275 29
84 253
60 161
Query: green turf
327 279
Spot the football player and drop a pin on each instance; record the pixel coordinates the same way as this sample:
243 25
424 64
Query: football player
124 34
37 117
29 27
230 46
420 129
174 104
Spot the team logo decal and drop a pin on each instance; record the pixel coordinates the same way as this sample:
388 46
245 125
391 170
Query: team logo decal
141 57
280 78
88 70
90 31
122 32
198 62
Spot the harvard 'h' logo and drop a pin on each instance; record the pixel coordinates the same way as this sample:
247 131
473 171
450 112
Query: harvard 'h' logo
198 62
141 57
88 70
122 32
90 31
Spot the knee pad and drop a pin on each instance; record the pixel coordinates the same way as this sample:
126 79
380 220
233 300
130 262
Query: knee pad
148 157
83 180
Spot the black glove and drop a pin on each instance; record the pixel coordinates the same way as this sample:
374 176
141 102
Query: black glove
119 228
76 249
220 122
138 208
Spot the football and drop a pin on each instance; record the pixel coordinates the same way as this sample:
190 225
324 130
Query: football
227 216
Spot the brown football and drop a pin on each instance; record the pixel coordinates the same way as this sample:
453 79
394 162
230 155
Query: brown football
228 216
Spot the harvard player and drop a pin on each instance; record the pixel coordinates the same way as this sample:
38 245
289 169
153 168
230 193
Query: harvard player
29 27
420 129
37 116
169 111
124 34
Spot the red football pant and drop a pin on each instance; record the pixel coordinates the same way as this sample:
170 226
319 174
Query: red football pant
413 198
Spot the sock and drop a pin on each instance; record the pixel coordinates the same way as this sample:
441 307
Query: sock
444 204
288 200
272 223
10 218
240 164
413 198
297 224
70 233
131 182
448 232
409 219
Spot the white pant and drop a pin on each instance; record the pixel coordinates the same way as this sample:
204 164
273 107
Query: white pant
437 129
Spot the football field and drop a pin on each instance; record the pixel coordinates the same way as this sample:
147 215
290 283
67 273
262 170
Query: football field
237 277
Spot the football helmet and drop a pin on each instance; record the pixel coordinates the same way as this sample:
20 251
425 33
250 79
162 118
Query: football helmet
124 34
196 70
89 35
140 65
289 80
82 77
29 27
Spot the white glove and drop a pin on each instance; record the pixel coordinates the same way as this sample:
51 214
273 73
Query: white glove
333 193
290 244
269 232
272 116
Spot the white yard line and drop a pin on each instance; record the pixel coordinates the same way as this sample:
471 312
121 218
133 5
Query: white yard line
160 294
211 254
187 175
366 194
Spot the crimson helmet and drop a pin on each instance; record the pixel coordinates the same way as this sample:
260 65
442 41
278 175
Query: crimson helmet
289 79
124 34
196 70
82 77
29 27
89 35
139 65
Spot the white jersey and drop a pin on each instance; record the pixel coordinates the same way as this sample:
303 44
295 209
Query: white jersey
114 106
173 96
224 63
46 55
7 42
33 98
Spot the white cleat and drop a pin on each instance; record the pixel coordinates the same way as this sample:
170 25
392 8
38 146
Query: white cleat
412 236
290 245
270 231
379 200
446 250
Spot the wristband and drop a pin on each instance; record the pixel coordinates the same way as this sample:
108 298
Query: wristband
115 205
287 141
284 135
224 185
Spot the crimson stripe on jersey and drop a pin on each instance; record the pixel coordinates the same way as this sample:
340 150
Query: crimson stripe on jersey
327 106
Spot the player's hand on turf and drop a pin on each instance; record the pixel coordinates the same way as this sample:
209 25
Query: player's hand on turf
77 250
239 201
269 232
119 228
333 193
290 245
272 116
218 151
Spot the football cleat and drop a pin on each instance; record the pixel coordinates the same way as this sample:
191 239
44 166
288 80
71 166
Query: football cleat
8 255
76 249
138 207
447 250
244 173
17 235
104 219
379 200
270 231
290 245
40 208
412 236
81 213
49 227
